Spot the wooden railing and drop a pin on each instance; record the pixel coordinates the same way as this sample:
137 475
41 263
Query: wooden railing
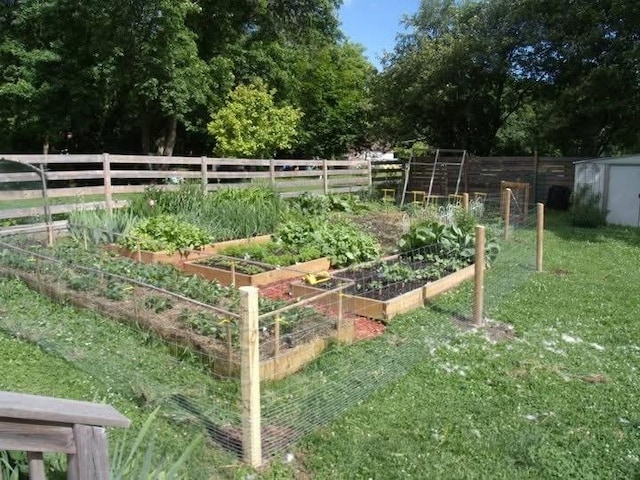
36 425
80 176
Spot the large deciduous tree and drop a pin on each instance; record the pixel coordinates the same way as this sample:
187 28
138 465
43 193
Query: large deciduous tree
508 75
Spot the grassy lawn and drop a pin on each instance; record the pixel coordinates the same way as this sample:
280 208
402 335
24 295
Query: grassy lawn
559 400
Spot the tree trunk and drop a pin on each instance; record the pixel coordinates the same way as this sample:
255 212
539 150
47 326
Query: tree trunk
146 134
170 136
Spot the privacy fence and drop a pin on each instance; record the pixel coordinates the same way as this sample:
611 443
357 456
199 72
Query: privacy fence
257 368
106 180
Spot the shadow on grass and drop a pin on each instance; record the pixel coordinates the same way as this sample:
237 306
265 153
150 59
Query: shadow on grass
560 224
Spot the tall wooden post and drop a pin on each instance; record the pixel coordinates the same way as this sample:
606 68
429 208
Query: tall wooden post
106 175
250 377
204 179
272 172
536 161
507 213
325 177
539 236
478 289
369 171
465 201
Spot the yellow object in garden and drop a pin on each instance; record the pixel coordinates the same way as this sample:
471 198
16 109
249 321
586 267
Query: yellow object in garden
315 278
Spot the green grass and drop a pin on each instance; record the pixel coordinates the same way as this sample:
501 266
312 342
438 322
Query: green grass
558 401
37 202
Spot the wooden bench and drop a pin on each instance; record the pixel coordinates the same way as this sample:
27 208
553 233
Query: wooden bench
36 424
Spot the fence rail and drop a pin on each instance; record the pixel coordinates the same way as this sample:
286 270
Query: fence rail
105 175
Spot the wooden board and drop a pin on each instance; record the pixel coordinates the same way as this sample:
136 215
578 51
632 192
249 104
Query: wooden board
226 277
386 310
177 258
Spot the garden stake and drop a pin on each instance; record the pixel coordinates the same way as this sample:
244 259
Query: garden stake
507 213
276 346
478 290
465 202
229 349
233 273
539 237
339 321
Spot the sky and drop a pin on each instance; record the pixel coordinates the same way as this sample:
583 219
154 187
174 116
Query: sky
375 23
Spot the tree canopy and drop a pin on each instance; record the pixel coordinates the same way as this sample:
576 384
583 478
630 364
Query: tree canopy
490 76
510 76
252 125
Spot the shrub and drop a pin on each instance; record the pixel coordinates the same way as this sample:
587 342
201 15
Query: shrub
585 209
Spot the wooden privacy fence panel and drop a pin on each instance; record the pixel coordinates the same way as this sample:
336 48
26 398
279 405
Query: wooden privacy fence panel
484 174
105 175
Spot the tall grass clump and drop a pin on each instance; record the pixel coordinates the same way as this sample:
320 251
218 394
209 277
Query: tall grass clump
227 213
585 209
101 226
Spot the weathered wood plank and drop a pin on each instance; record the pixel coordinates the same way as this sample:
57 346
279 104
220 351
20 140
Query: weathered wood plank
36 466
91 460
48 409
35 437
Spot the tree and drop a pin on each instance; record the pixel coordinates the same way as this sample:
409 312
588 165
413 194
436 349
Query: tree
251 124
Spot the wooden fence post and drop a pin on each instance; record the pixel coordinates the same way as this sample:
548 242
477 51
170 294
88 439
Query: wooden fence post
478 288
507 213
465 201
204 179
539 236
369 171
325 177
272 172
106 175
250 377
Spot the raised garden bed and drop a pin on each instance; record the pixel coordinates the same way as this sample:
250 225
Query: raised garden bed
300 337
178 258
371 297
229 271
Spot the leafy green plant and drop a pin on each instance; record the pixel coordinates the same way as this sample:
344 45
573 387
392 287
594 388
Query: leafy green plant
343 243
165 233
585 209
158 303
273 253
83 283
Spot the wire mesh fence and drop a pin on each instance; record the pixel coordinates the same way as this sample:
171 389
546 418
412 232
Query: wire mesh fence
322 350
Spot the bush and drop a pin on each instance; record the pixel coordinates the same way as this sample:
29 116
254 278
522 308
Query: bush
585 209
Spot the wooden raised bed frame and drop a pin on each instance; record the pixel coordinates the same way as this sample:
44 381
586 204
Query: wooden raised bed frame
178 258
229 277
222 359
386 310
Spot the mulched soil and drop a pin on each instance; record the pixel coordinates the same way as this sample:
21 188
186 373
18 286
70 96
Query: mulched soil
386 227
365 328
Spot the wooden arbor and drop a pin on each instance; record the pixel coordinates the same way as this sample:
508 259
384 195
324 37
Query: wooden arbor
38 424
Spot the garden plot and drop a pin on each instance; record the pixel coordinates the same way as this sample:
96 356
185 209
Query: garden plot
183 310
384 289
258 264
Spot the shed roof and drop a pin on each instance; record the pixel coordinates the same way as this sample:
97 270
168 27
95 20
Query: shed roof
626 160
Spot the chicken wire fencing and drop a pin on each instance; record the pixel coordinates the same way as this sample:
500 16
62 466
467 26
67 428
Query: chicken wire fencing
325 344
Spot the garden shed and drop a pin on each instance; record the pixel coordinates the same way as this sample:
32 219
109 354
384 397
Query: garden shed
617 180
